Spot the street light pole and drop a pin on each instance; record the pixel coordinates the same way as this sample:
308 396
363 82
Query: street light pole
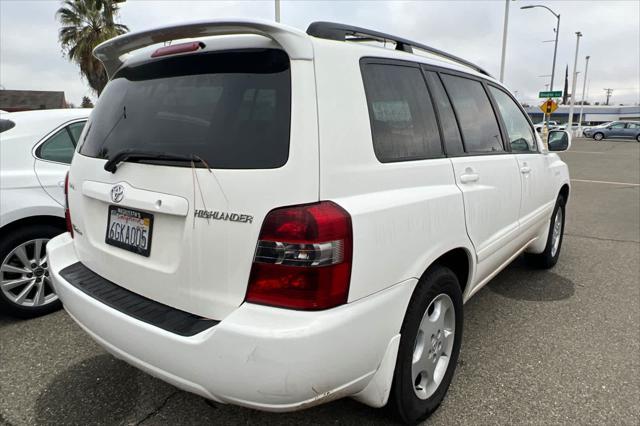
277 6
584 86
555 51
573 84
504 39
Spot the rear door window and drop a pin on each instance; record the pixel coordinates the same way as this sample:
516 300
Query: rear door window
403 122
232 109
480 131
450 131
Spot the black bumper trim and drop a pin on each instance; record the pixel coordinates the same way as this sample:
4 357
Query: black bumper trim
134 305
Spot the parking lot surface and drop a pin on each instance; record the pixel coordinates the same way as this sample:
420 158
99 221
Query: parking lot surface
539 347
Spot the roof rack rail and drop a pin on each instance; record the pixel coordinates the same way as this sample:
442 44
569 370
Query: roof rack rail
342 32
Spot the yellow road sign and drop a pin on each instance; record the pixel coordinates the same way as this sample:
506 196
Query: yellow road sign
548 106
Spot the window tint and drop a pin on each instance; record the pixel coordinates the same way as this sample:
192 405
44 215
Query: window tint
480 131
517 126
403 122
59 148
230 108
448 123
76 129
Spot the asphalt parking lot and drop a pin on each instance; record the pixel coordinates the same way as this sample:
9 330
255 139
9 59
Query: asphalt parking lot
540 347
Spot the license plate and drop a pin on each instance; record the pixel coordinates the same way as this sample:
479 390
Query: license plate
129 230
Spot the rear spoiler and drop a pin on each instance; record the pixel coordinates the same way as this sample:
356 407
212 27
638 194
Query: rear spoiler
295 42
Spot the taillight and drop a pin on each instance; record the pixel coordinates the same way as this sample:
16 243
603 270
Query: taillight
303 258
67 213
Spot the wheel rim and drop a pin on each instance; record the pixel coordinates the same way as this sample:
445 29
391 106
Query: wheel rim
433 346
598 136
557 232
24 275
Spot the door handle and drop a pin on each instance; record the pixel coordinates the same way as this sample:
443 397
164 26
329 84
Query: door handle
525 170
469 177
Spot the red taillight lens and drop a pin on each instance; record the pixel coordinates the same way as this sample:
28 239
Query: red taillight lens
303 258
67 213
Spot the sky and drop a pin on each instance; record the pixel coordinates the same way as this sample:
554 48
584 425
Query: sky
31 59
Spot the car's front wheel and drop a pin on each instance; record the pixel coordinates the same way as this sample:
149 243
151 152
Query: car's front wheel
26 290
638 137
598 136
549 257
429 345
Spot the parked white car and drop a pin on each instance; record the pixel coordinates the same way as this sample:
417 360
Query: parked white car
553 125
35 152
276 219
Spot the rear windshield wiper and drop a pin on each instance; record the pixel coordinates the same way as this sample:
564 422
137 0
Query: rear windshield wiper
137 154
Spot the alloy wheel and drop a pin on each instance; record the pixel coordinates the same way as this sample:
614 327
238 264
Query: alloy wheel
24 275
557 232
433 346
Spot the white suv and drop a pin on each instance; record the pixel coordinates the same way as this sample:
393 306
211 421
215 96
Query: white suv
277 219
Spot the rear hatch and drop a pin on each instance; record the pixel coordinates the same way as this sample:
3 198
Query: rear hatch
221 146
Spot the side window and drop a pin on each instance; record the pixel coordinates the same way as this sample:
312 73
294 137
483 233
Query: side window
518 128
75 129
617 126
58 148
633 126
450 131
480 131
403 122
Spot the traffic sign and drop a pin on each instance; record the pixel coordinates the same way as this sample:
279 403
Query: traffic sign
548 106
556 94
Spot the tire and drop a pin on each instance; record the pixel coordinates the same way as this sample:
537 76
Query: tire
598 136
32 305
415 397
638 137
549 257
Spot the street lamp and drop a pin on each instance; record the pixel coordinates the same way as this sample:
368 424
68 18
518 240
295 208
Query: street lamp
504 39
573 84
584 85
555 47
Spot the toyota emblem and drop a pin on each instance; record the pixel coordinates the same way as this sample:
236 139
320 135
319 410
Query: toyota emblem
117 193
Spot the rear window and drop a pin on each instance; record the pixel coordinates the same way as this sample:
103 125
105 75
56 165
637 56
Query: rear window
403 122
6 125
232 109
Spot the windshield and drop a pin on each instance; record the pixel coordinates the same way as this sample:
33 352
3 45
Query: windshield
230 108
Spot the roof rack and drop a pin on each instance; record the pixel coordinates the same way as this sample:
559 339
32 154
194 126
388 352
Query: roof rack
342 32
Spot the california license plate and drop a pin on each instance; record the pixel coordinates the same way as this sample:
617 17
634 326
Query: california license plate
129 230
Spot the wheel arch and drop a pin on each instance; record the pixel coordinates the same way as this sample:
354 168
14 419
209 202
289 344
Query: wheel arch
564 192
460 261
56 221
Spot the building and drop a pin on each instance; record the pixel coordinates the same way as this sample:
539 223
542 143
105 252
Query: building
591 115
27 100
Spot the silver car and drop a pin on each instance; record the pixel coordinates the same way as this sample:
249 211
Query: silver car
615 129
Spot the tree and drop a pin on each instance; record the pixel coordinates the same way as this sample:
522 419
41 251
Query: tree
86 102
86 24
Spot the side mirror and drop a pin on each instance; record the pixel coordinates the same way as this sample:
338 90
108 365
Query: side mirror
559 140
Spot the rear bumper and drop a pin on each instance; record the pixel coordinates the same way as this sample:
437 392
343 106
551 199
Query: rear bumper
259 357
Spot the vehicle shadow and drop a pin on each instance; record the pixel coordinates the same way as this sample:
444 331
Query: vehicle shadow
104 390
521 281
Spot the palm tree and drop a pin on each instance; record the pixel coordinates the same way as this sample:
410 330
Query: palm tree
86 24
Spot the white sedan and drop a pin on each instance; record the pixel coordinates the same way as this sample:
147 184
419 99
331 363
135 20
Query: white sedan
36 148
